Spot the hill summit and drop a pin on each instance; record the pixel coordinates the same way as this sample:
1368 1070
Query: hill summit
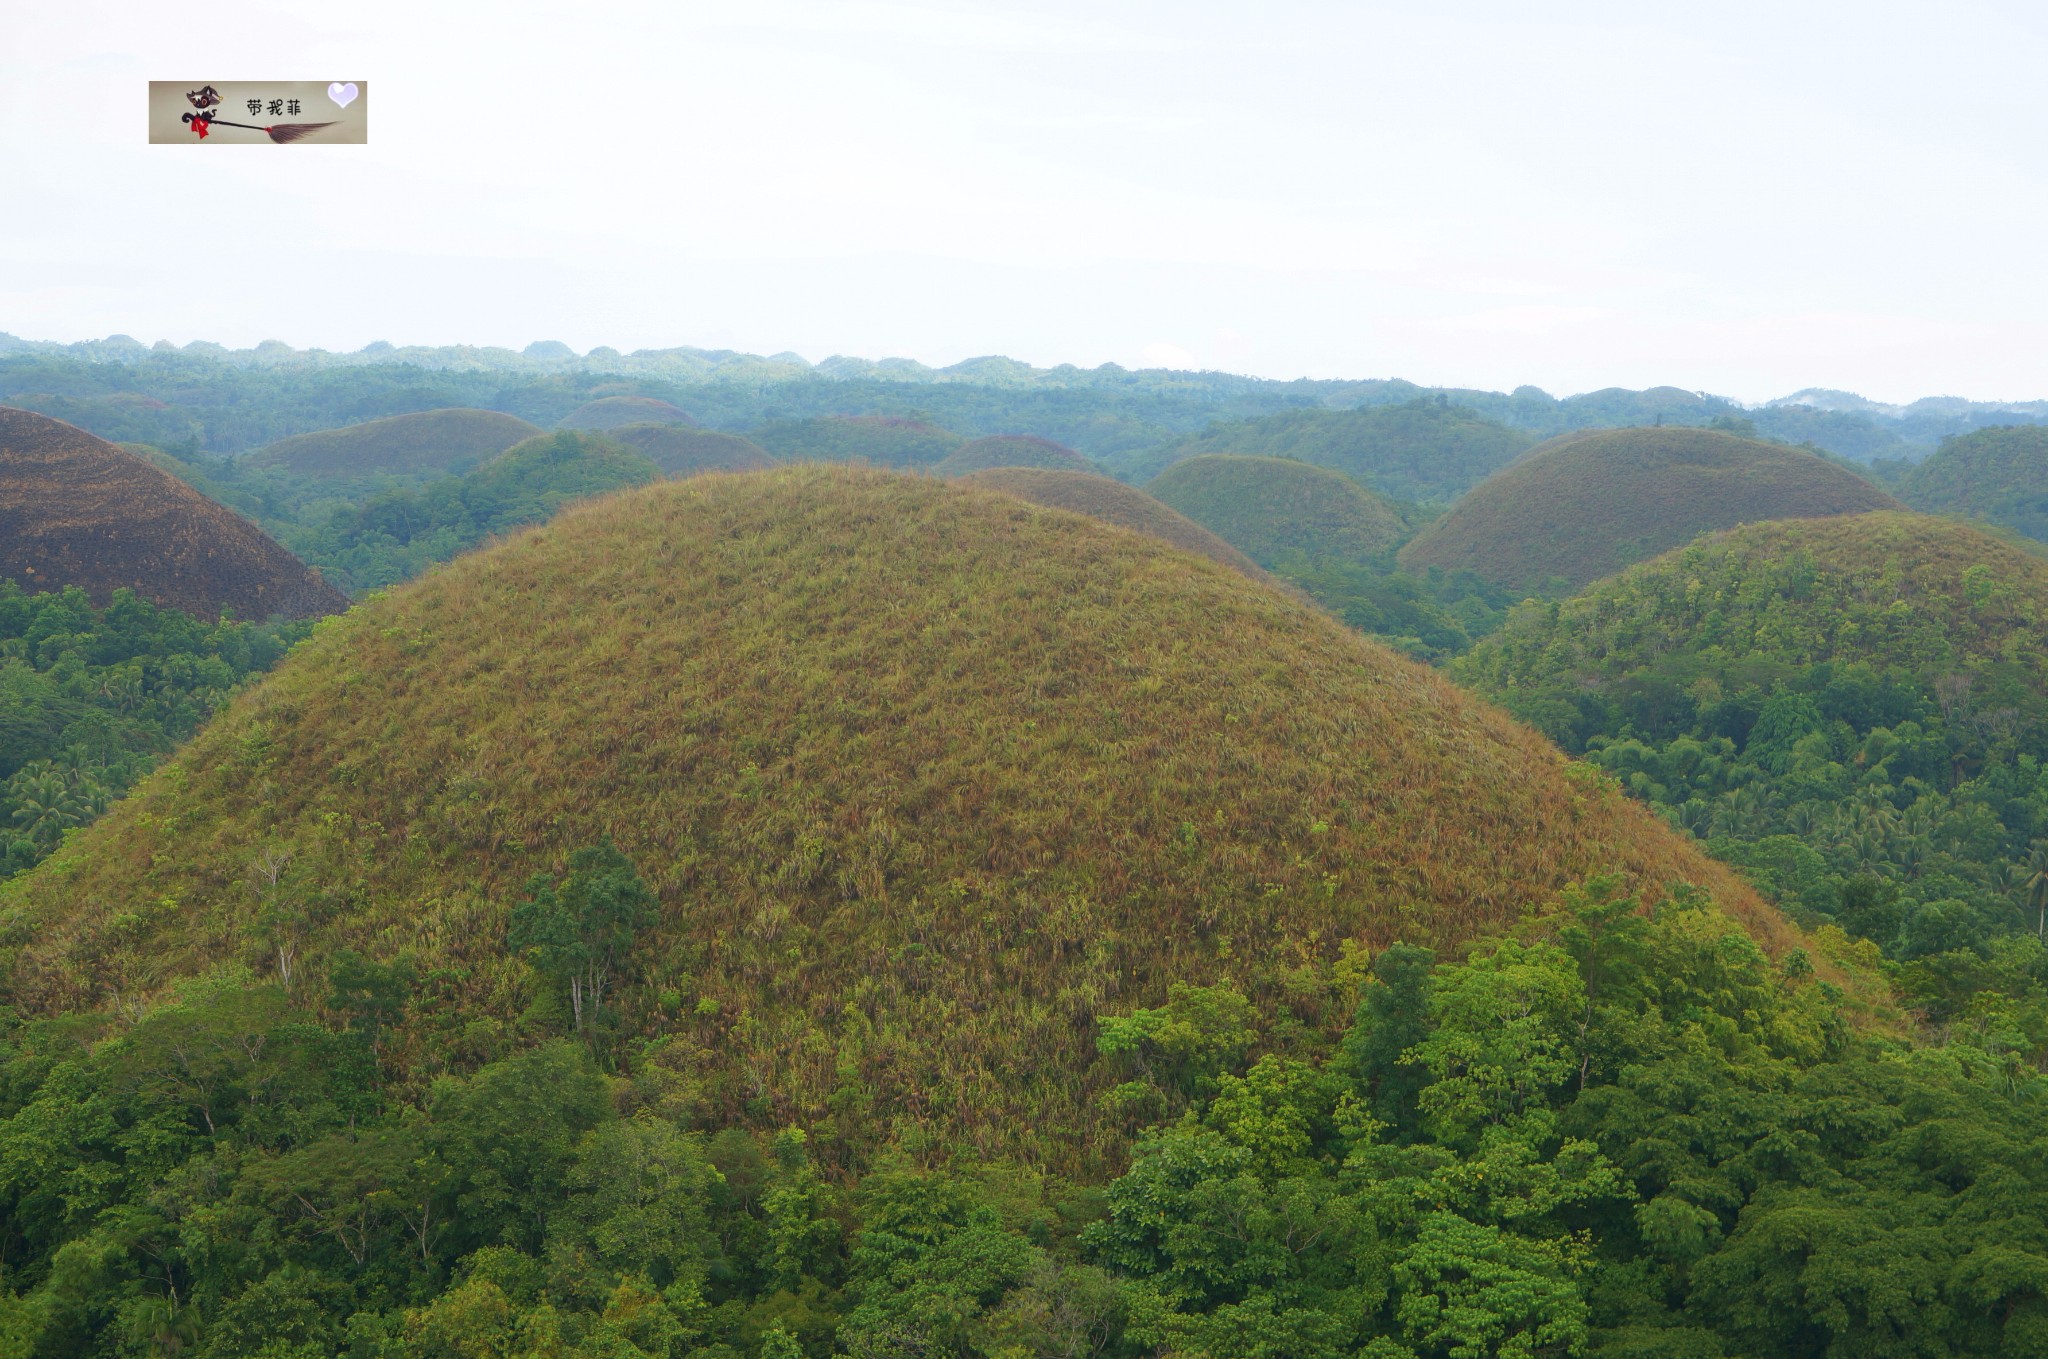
1585 505
924 779
76 510
1011 450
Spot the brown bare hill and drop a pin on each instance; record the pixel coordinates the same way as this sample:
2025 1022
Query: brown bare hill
1011 450
76 510
1588 504
609 412
684 451
1112 502
448 440
925 779
1269 508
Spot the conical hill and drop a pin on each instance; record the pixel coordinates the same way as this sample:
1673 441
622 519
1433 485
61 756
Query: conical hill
1588 504
438 441
77 510
1011 450
1269 508
925 779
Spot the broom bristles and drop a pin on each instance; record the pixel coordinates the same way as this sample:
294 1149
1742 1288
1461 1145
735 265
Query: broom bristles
291 132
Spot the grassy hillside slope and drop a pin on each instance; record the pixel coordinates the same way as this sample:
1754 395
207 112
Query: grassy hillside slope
681 451
1419 450
1586 505
425 441
609 412
1011 450
1112 502
925 779
1270 507
76 510
1998 474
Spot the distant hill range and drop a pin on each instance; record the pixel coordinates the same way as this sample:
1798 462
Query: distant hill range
1587 505
76 510
424 441
231 401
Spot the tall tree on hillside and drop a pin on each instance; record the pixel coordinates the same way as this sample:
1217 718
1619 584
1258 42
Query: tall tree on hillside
579 930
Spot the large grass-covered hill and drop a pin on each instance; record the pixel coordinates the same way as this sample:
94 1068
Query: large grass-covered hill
683 451
1417 450
1274 508
925 778
420 442
1113 502
1586 505
1998 474
76 510
1011 450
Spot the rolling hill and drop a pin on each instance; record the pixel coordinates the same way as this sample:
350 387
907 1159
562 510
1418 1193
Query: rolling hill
1268 508
1417 450
881 440
1011 450
1999 475
1112 502
924 779
609 412
424 441
76 510
683 451
1585 505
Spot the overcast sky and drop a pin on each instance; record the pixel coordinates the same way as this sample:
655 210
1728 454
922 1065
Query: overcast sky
1746 198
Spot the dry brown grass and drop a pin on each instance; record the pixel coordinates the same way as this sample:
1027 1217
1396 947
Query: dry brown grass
1588 504
76 510
1271 507
926 778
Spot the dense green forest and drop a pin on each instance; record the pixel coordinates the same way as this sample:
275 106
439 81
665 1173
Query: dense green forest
1617 1133
91 699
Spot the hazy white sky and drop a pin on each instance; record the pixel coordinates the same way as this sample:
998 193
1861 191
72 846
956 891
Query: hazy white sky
1741 197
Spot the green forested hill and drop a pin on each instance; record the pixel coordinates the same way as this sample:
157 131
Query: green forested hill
1268 508
1585 505
1419 450
1998 474
1854 710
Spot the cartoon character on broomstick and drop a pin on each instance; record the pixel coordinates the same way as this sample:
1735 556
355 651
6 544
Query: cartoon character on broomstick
204 121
